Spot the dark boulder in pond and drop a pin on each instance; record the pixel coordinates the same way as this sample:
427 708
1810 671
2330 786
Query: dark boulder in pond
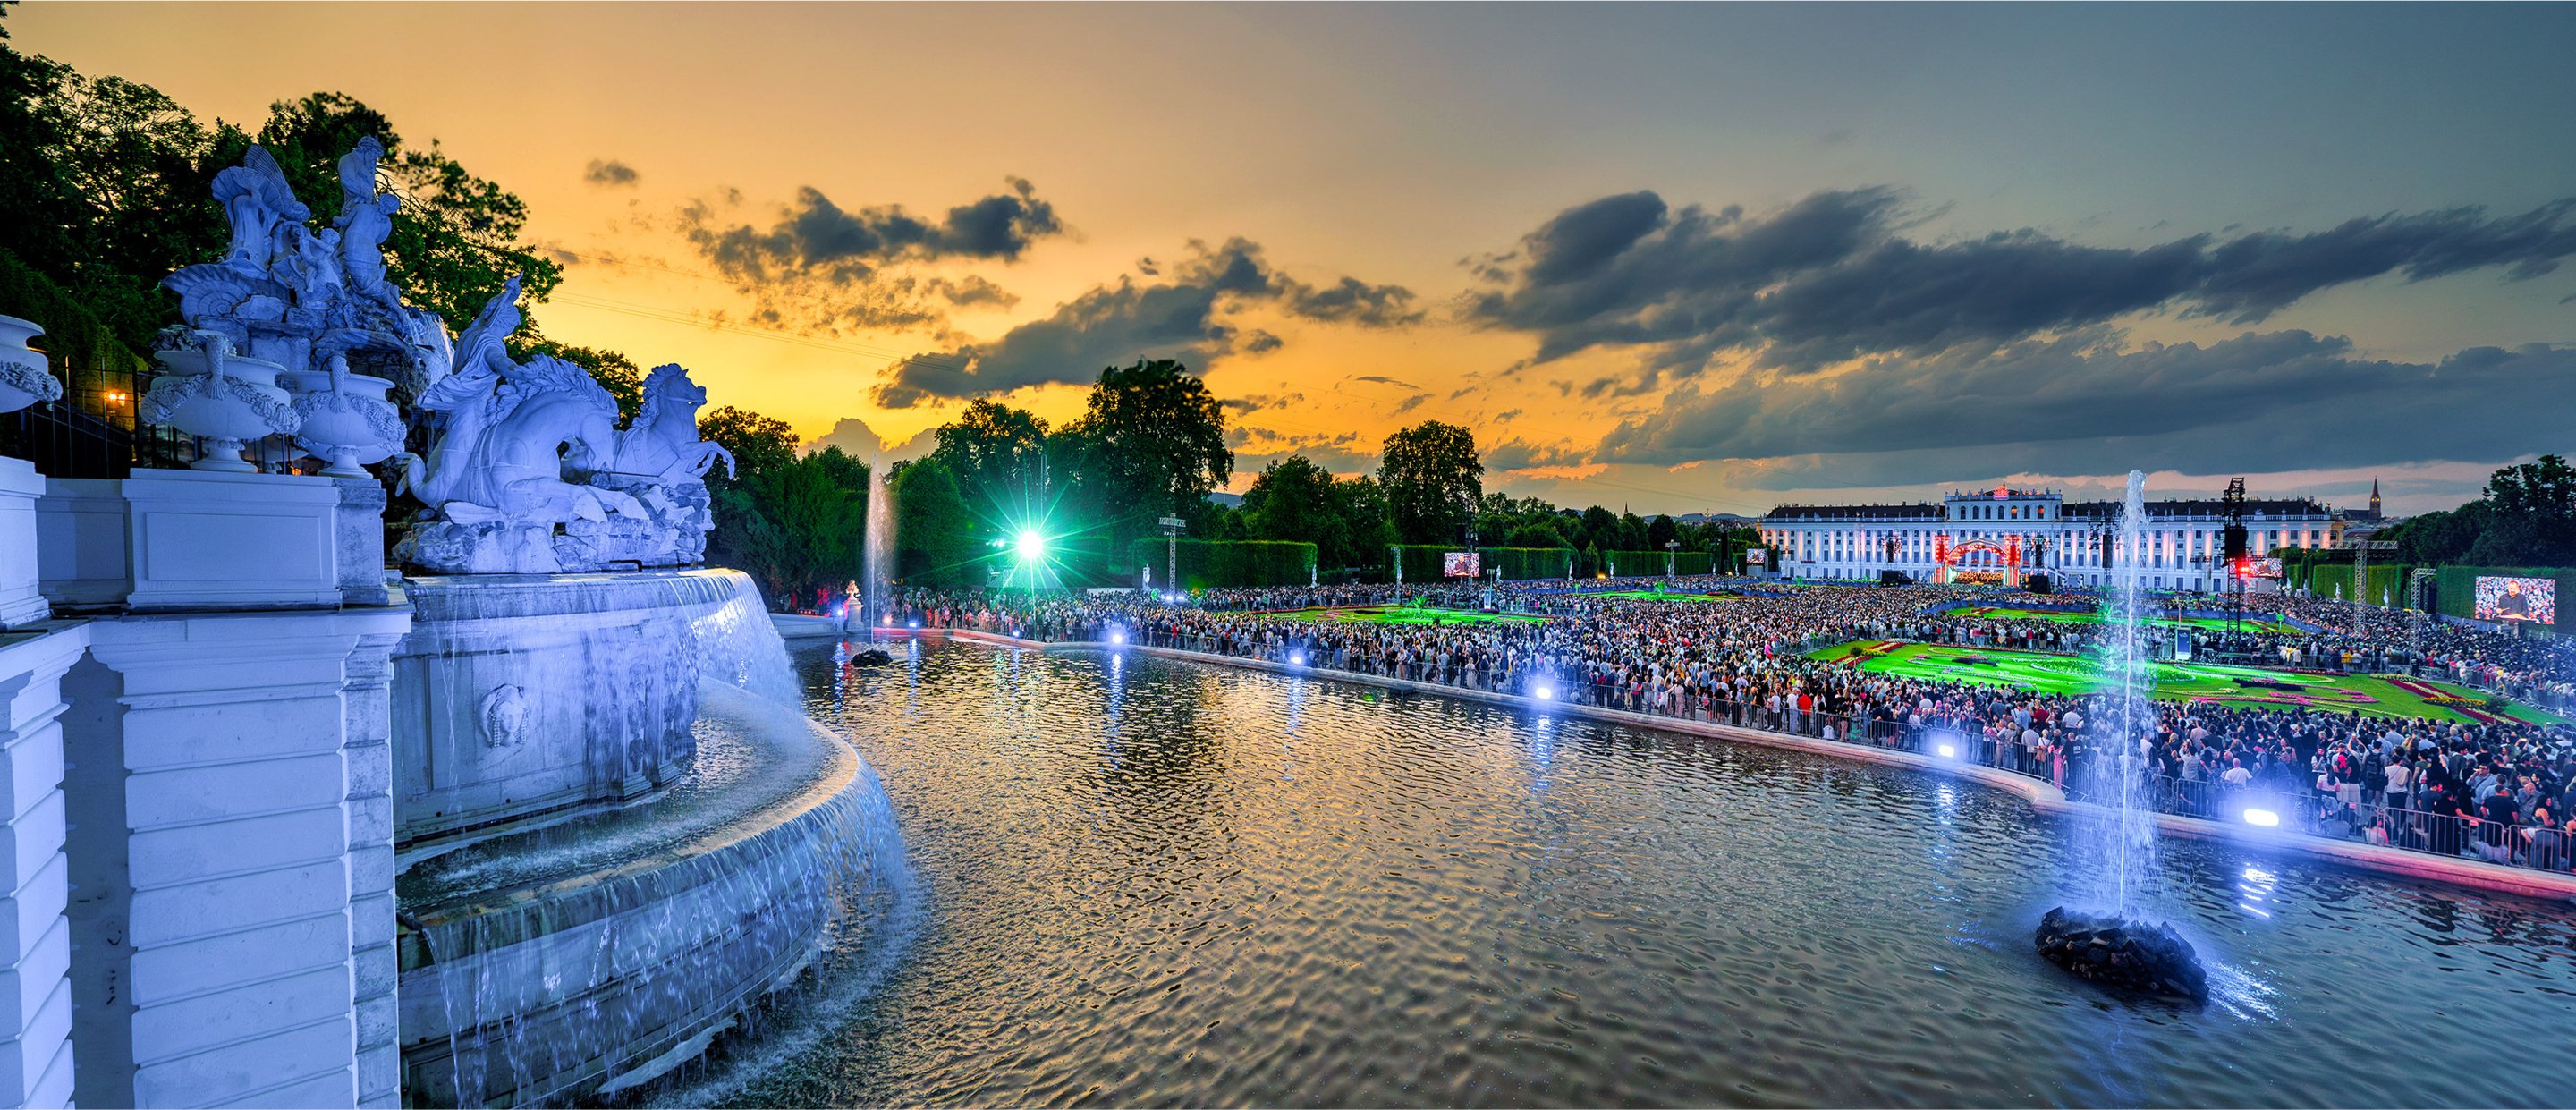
2141 956
870 657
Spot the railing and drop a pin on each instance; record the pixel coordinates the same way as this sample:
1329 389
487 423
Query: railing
2302 809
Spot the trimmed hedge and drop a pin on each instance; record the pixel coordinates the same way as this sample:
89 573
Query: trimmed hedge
1422 561
2334 580
1229 564
1635 564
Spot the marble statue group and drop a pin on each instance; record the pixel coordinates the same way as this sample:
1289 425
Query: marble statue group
519 466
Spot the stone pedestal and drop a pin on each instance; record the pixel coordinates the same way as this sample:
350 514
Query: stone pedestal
35 935
233 823
20 487
84 545
207 540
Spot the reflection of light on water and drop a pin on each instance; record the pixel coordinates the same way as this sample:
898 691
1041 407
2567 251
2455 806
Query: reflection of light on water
1542 750
1946 801
2239 992
2255 889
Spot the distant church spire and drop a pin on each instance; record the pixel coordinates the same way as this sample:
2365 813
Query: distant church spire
2374 499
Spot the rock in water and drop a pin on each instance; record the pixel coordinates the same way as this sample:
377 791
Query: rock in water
2143 956
871 657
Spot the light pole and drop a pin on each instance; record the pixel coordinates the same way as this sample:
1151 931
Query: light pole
1672 551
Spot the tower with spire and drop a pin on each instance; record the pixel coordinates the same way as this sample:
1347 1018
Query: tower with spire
2374 499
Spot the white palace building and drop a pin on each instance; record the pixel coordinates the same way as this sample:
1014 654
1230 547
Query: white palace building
1997 535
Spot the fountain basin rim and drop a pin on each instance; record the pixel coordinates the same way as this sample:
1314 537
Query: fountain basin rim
841 768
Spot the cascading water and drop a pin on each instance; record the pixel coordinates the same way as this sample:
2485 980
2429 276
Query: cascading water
592 956
878 589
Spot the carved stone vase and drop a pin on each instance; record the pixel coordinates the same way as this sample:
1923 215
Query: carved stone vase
346 428
207 391
24 379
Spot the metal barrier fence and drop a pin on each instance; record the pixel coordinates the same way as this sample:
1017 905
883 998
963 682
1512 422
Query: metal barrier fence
2303 810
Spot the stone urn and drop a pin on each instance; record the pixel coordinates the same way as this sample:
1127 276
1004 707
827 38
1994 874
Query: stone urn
347 420
24 378
208 391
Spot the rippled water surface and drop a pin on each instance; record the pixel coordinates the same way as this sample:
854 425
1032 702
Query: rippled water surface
1155 882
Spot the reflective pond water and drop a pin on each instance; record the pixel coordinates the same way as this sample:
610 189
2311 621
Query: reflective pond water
1156 882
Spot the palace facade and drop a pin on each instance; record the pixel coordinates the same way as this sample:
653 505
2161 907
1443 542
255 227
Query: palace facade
1983 532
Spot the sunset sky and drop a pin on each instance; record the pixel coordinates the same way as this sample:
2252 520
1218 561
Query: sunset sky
1676 258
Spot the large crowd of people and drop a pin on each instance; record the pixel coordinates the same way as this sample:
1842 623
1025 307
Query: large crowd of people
2497 787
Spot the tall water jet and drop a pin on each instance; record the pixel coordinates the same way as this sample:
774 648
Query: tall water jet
2115 844
877 592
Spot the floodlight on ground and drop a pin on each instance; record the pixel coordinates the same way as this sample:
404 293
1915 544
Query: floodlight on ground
2263 817
1117 635
1543 692
1296 659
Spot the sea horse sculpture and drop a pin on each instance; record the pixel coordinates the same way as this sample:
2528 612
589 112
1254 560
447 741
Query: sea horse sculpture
662 444
499 457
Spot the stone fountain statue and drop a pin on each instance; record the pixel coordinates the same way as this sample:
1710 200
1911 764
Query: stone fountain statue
308 310
520 448
660 461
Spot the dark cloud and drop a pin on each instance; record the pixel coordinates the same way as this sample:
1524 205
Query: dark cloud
1408 404
822 267
610 171
1520 454
1382 379
2082 404
1834 277
1259 401
1176 317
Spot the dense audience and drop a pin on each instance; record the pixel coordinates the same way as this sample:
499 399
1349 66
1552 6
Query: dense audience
2497 788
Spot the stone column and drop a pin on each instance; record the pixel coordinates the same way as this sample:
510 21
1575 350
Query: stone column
255 916
367 705
35 937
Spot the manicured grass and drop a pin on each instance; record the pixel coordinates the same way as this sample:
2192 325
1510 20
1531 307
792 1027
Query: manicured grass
1407 614
2223 684
2210 624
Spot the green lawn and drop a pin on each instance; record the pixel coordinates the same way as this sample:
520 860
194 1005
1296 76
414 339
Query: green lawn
2251 687
2211 624
1407 614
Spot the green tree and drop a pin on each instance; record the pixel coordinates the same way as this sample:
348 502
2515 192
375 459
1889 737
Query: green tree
1364 509
998 455
758 443
937 543
1150 442
1432 476
1660 531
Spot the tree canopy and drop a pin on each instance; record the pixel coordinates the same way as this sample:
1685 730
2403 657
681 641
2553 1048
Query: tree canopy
1432 477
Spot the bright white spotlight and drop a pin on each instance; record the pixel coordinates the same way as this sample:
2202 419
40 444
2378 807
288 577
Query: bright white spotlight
916 624
1297 659
1032 546
1117 635
1543 692
1948 751
2263 817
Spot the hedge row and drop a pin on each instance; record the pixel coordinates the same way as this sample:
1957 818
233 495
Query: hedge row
1229 564
1422 562
2333 580
1632 564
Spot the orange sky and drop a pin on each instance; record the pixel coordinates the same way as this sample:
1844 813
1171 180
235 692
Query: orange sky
1391 146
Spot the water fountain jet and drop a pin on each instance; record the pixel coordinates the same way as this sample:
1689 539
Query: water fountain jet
2116 842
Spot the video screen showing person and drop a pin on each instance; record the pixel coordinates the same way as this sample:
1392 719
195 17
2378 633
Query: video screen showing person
2263 568
1462 564
2525 600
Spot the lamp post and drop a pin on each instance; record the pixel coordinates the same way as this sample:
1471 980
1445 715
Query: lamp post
1672 551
